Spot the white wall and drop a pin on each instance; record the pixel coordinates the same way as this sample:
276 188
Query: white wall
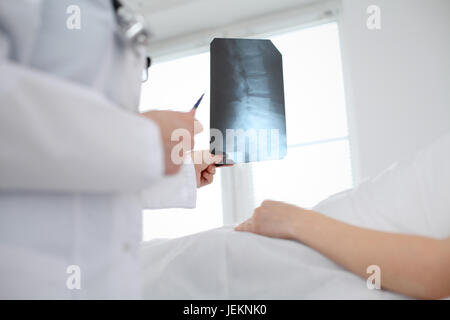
397 79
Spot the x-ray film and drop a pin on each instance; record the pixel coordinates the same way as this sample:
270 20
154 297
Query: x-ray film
247 119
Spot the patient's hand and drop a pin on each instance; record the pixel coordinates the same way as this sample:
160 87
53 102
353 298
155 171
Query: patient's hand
273 219
413 265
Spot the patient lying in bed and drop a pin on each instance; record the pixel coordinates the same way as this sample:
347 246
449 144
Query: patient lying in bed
398 221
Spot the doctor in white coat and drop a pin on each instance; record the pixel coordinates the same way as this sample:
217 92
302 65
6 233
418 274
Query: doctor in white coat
78 163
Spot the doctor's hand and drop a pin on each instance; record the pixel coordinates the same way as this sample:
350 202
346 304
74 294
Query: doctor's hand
168 122
274 219
205 166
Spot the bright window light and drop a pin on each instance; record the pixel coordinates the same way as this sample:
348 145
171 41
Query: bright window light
318 161
177 85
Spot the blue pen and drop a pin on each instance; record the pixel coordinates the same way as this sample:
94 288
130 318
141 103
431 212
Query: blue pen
198 102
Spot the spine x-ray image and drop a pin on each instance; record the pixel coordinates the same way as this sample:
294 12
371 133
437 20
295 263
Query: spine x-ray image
247 100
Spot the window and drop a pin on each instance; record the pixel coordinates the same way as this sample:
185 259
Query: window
177 85
318 160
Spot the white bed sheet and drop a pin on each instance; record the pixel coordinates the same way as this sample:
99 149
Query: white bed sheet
225 264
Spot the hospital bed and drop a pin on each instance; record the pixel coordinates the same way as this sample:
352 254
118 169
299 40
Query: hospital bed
411 196
225 264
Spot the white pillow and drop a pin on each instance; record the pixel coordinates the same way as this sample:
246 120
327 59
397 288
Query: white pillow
410 196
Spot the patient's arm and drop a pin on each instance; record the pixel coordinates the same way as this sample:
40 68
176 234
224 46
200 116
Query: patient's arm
412 265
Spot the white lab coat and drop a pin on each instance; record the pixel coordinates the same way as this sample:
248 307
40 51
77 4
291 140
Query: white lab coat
77 164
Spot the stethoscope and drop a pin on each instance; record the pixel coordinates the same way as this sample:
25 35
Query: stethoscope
133 29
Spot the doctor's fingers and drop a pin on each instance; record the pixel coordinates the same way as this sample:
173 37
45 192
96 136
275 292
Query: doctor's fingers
211 169
193 124
197 127
208 177
209 159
